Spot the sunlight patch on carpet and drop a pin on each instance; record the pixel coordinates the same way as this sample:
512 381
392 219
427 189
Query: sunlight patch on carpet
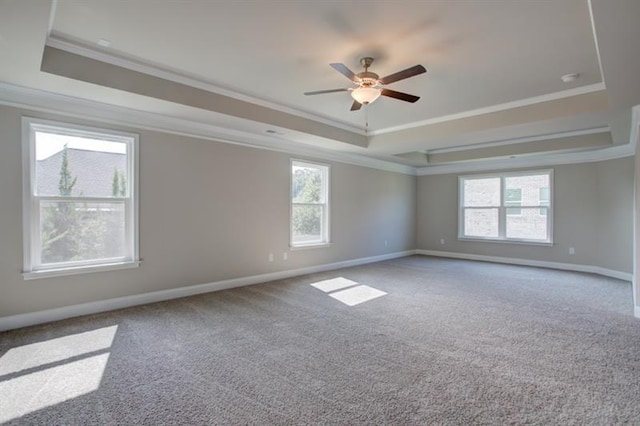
349 292
334 284
39 375
356 295
61 348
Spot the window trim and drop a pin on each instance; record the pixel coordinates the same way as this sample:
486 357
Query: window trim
502 215
30 202
326 237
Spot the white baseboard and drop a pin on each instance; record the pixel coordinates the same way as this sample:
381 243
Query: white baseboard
40 317
527 262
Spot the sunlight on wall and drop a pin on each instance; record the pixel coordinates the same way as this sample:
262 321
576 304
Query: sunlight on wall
351 293
46 373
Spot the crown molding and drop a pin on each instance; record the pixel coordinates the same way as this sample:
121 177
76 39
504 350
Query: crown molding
52 16
548 136
595 39
495 108
160 72
63 105
552 159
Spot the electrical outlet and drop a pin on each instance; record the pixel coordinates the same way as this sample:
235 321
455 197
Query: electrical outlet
386 243
572 251
270 257
442 241
285 255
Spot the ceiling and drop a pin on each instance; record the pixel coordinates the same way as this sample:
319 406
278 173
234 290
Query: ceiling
492 87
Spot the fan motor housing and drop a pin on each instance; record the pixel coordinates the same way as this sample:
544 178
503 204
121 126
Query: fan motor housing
368 78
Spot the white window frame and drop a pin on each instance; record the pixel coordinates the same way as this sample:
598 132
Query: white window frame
32 265
502 209
325 224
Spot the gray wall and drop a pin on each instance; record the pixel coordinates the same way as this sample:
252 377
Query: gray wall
212 211
593 212
208 211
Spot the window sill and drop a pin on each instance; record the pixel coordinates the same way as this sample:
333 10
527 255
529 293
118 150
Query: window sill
519 242
61 272
309 246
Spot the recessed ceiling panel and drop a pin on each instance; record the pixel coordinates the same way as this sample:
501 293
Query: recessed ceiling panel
477 54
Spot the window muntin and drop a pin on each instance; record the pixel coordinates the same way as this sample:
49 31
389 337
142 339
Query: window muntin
80 203
506 207
309 204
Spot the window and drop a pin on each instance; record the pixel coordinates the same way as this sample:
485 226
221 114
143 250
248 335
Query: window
487 207
309 204
80 201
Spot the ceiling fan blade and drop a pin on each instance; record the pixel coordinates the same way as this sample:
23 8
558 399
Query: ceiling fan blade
320 92
399 95
356 106
401 75
342 69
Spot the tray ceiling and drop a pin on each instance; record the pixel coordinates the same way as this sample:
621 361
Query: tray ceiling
493 77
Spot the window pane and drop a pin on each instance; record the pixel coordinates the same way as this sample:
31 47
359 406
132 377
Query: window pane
482 192
529 188
81 231
530 225
544 200
544 195
513 197
306 224
76 166
481 222
307 185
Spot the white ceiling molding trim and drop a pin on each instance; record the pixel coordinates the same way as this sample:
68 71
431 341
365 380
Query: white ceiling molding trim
552 159
595 130
52 16
496 108
595 40
570 157
159 72
62 105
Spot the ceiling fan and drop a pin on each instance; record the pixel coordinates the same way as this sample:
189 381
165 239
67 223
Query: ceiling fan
369 86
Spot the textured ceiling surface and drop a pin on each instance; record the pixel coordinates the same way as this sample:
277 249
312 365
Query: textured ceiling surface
477 54
240 69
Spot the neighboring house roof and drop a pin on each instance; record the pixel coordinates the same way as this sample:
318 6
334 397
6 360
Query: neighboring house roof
94 171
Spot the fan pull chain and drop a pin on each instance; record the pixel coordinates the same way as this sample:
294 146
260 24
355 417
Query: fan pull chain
366 119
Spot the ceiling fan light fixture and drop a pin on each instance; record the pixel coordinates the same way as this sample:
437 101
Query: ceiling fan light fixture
369 86
365 95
